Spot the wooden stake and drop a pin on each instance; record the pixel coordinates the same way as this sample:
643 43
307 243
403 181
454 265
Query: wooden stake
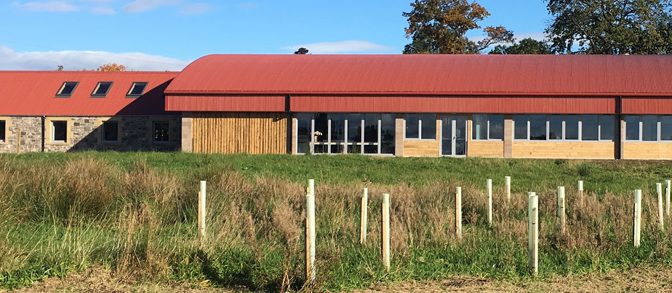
533 232
668 188
458 213
637 218
661 222
489 184
386 232
561 209
507 184
201 211
364 216
310 231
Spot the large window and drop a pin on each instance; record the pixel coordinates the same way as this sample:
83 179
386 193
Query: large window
648 128
59 131
421 126
488 127
564 127
3 130
345 133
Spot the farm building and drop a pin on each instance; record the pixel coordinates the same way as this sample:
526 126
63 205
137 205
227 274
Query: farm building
524 106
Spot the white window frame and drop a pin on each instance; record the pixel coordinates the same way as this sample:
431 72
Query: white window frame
487 128
53 131
361 143
564 129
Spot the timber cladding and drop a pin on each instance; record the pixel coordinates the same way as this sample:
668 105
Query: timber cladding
228 133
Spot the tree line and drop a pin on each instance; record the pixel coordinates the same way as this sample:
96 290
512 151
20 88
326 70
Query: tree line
577 27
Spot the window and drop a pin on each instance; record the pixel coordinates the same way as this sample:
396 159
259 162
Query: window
564 127
160 131
101 89
649 128
110 131
3 130
571 127
67 89
387 134
137 89
303 135
555 127
354 133
590 128
520 127
421 126
632 127
337 133
537 127
607 127
351 133
488 127
59 131
665 128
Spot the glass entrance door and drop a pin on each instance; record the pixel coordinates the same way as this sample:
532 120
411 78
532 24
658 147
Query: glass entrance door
454 136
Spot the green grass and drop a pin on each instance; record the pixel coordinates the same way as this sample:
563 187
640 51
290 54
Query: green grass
135 213
528 175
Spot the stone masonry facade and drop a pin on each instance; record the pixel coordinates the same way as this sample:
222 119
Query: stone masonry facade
135 133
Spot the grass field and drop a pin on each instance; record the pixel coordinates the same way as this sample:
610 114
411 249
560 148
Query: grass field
135 214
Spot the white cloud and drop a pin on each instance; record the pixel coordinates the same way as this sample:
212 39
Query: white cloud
195 8
349 46
79 60
146 5
105 10
48 6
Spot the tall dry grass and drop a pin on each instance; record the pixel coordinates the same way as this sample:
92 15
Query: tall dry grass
141 222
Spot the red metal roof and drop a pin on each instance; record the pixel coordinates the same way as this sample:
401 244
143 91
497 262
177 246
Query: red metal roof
226 103
431 75
33 93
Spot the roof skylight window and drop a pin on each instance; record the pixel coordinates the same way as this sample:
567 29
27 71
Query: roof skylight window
137 89
67 89
102 88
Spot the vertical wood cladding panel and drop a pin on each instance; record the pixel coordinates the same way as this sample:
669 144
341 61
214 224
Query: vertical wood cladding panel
228 133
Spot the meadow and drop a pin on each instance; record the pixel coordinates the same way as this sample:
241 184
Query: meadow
135 213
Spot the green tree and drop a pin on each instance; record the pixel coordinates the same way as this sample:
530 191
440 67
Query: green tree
610 26
301 51
525 46
440 27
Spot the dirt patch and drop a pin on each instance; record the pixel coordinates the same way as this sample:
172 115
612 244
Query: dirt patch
103 280
636 280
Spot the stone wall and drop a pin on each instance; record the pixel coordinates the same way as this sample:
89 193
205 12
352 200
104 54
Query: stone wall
24 134
85 133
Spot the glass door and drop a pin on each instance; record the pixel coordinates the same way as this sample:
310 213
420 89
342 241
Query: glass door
454 136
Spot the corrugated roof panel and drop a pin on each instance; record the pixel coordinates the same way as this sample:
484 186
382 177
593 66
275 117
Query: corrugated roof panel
575 75
33 93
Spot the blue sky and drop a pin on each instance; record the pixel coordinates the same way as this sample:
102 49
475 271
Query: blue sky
167 34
